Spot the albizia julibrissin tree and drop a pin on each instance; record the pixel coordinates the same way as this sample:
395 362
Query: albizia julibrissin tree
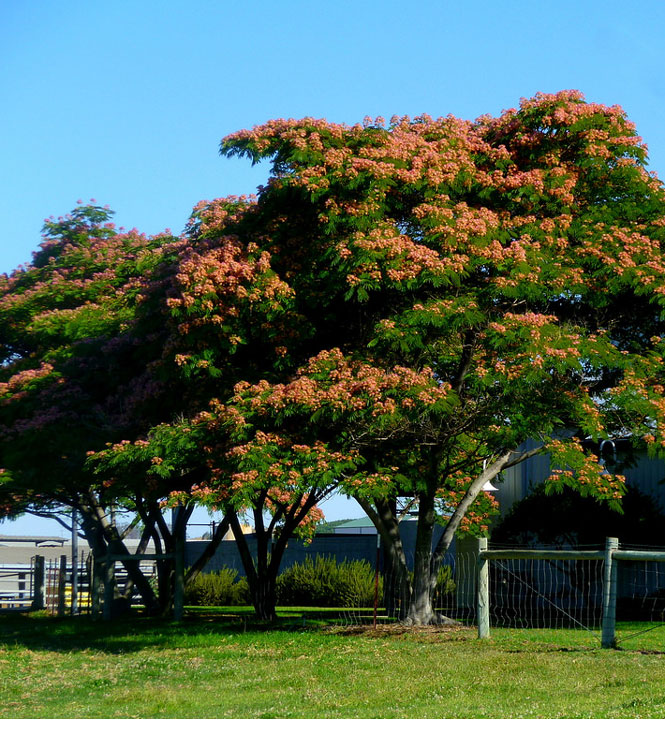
460 287
81 338
398 311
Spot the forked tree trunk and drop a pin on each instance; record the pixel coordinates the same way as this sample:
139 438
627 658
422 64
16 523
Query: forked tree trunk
262 575
261 587
412 594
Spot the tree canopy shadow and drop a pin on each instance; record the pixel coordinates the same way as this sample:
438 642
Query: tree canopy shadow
127 634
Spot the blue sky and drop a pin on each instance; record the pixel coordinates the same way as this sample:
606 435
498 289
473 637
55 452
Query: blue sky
126 101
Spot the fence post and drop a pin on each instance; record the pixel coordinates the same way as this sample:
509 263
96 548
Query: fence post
21 586
483 603
62 581
38 594
608 639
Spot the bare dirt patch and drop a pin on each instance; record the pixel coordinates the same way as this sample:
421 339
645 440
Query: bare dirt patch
400 630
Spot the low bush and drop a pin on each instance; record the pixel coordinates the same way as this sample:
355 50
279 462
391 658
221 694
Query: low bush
220 588
323 581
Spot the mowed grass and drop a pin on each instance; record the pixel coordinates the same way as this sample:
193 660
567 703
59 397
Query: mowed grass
211 667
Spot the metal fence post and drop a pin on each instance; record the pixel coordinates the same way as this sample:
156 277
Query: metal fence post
608 639
483 603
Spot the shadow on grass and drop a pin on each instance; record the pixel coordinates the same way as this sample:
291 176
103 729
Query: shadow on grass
135 631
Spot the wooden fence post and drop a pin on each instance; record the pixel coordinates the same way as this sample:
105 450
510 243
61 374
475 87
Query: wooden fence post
38 582
608 639
483 601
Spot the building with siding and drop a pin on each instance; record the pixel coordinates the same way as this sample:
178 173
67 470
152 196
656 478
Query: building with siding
641 471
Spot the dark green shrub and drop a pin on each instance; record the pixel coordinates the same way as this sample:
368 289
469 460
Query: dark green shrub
220 588
323 581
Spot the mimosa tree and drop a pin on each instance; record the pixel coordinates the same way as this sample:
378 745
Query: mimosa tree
462 286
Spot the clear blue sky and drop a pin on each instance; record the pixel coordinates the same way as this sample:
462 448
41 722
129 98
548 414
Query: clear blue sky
126 101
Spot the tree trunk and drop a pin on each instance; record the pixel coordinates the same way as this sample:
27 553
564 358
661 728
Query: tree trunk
396 578
262 573
396 585
420 610
107 540
263 598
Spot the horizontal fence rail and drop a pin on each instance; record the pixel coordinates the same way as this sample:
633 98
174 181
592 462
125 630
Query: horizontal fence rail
50 584
540 554
15 586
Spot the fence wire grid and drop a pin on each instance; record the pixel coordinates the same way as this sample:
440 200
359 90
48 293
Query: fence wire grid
531 593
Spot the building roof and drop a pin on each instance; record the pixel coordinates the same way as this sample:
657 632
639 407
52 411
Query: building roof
32 540
359 525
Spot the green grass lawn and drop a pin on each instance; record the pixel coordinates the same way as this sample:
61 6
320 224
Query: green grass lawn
216 666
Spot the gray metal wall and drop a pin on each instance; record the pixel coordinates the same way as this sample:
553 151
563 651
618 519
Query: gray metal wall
351 547
647 475
356 546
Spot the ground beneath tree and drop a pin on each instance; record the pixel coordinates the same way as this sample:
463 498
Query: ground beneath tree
400 630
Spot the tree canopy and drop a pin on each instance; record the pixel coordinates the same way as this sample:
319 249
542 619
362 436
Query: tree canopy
467 285
399 310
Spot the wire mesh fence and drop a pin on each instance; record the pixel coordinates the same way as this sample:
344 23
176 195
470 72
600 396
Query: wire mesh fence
641 591
573 588
526 588
452 597
556 594
555 591
640 602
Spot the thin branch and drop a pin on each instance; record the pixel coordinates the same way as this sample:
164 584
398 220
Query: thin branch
465 361
525 456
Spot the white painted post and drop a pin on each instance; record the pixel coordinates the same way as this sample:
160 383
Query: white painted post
483 607
608 639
